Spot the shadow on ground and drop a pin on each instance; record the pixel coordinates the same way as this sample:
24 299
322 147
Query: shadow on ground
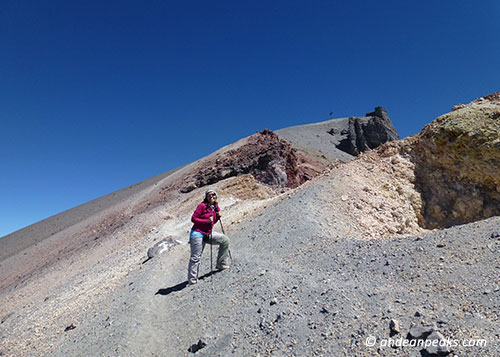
182 285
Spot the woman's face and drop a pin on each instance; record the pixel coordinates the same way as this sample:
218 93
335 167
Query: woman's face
212 197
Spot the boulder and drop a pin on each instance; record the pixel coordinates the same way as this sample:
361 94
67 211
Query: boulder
161 247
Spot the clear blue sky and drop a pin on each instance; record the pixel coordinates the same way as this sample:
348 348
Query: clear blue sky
99 95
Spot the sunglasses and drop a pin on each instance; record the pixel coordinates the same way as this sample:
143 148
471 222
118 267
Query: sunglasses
212 195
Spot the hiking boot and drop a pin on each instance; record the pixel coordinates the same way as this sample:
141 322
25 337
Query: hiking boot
222 266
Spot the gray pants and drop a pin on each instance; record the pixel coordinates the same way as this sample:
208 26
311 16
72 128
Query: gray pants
197 246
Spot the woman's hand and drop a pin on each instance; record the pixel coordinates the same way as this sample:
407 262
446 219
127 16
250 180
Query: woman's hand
219 214
211 219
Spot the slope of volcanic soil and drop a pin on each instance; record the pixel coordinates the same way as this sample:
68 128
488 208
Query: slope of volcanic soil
15 242
299 286
35 313
27 252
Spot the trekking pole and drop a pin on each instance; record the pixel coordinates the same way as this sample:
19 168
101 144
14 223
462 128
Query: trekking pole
211 259
221 226
228 249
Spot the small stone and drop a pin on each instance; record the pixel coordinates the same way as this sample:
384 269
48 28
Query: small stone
487 291
440 245
262 272
197 346
437 348
394 326
420 331
70 327
495 235
274 301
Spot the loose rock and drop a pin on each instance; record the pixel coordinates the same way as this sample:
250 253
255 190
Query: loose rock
197 346
439 345
420 331
394 326
70 327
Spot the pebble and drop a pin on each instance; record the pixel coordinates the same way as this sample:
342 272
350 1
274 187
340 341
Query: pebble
197 346
70 327
394 326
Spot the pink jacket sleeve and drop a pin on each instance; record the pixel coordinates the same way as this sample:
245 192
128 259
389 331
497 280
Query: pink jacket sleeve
196 217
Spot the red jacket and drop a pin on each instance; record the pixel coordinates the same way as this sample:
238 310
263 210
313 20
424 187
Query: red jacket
201 217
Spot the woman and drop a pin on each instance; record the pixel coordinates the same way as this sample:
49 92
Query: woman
204 218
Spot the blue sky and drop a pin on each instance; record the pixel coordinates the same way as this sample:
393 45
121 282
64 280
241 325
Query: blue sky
99 95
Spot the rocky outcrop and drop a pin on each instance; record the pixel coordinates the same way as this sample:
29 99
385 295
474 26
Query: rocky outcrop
447 175
366 133
457 164
265 156
493 98
344 138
